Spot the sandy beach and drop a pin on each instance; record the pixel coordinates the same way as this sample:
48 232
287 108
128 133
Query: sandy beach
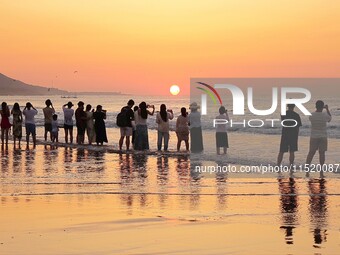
54 202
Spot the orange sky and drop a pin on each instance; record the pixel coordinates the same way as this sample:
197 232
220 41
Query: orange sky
145 46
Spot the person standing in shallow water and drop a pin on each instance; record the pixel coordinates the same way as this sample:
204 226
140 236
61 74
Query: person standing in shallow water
80 122
141 116
182 129
99 116
48 113
196 138
91 134
5 124
318 138
162 119
135 109
68 121
55 129
290 135
29 112
221 131
126 130
17 123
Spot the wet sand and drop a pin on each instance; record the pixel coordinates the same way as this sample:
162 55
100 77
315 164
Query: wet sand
79 201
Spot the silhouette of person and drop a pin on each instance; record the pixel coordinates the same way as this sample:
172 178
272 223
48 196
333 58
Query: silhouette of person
318 210
290 135
288 206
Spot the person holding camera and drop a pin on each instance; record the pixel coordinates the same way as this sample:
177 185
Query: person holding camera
162 119
29 112
68 121
142 139
48 117
318 138
99 125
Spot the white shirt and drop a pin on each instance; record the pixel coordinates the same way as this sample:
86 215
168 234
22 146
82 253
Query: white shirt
139 120
195 119
222 127
68 114
162 125
29 115
319 124
55 126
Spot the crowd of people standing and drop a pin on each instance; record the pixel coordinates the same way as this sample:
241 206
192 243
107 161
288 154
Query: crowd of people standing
132 121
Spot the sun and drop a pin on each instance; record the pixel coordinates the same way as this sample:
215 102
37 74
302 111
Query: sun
174 90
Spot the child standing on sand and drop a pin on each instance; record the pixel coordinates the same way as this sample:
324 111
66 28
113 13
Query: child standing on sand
55 128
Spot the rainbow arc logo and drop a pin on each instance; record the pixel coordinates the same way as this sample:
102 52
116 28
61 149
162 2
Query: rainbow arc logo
213 94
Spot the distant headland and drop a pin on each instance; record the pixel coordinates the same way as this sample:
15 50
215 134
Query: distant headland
13 87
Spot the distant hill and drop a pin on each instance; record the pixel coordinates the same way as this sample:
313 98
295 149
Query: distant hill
13 87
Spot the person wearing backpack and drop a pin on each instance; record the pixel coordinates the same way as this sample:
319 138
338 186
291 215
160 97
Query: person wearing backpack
124 121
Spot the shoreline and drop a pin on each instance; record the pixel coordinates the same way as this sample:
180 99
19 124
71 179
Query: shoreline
103 148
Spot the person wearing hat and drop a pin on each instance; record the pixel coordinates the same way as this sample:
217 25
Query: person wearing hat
81 118
68 121
48 113
196 139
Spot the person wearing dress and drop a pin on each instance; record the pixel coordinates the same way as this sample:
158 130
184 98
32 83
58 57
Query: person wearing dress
182 129
196 138
221 131
91 134
5 124
17 123
162 119
141 116
99 125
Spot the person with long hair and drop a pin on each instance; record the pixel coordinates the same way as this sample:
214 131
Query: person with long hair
91 134
162 119
5 124
141 116
135 109
196 138
99 116
17 123
182 129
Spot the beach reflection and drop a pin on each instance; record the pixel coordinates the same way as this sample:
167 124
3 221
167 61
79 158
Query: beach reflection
289 207
4 161
30 162
221 189
142 186
162 179
17 161
318 209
